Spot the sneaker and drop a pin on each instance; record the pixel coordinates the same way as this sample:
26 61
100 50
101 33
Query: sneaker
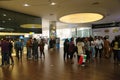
83 65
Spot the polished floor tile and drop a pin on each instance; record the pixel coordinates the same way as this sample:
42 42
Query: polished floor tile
53 67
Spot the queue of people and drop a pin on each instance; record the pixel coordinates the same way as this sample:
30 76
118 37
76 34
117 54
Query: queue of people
94 48
33 47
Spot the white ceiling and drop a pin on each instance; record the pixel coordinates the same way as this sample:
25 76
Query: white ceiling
42 8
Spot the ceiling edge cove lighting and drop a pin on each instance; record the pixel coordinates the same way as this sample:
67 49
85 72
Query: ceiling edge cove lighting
31 26
81 18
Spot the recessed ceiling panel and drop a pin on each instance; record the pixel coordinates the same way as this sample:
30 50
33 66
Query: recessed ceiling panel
11 21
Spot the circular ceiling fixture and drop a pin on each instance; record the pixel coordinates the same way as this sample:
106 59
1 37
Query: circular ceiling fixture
31 26
81 18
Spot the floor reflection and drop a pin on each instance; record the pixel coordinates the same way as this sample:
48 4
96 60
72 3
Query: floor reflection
53 67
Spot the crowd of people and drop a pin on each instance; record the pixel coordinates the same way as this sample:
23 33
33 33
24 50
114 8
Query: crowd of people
33 47
6 51
94 48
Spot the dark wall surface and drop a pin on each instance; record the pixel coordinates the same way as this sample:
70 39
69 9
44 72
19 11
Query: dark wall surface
11 21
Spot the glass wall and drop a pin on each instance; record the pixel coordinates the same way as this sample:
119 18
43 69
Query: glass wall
81 32
73 32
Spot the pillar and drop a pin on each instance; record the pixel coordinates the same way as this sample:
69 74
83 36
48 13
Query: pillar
52 29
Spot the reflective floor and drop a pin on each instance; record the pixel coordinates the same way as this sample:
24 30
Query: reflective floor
53 67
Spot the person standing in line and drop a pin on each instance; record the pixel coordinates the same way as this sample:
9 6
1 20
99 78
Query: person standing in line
10 51
114 45
35 49
5 51
57 43
119 50
106 48
92 45
71 49
15 47
41 45
80 49
87 48
18 46
29 48
52 43
22 47
99 47
66 52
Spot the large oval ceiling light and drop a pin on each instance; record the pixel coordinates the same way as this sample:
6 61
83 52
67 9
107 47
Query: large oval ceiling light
81 18
31 26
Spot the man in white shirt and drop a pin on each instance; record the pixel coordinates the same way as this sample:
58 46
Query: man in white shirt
99 47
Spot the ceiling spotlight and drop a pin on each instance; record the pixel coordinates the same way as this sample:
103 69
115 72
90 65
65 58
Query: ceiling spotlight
9 19
3 21
4 14
26 5
52 3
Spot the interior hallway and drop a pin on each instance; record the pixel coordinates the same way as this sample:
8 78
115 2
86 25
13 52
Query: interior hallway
53 67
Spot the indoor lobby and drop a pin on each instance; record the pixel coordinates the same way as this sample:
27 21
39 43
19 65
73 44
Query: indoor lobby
59 20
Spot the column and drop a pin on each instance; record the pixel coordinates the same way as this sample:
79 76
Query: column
52 29
52 34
